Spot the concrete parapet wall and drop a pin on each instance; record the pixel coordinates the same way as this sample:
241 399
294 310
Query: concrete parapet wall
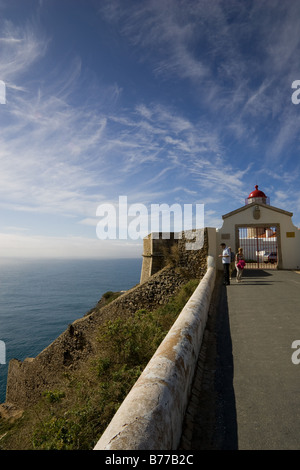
151 416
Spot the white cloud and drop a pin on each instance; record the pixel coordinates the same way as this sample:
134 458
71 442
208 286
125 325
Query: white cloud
159 28
19 48
21 246
68 143
60 178
48 153
13 229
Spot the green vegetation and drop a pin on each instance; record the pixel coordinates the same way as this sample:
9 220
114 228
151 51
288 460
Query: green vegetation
75 416
109 296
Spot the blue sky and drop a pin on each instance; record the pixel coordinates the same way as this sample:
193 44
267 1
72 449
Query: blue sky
162 101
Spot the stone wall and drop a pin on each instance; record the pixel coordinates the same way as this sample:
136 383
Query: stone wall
155 250
178 248
28 379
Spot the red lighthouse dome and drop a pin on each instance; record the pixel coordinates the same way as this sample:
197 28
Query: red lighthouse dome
257 196
257 193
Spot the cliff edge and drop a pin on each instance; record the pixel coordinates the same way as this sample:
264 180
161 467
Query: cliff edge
27 380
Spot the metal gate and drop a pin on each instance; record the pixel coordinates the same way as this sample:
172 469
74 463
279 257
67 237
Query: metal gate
259 245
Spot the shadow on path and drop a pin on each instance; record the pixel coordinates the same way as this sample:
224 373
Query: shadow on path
210 422
225 432
256 273
259 380
254 276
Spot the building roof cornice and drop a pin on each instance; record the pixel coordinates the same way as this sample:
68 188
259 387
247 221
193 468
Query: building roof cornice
252 204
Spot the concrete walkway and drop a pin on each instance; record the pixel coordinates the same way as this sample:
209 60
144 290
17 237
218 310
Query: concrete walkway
249 398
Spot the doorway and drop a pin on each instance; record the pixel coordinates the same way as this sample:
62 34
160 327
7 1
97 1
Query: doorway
260 245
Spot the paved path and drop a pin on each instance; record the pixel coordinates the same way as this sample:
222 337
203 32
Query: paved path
247 389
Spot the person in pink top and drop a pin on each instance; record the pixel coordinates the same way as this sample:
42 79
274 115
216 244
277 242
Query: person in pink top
239 264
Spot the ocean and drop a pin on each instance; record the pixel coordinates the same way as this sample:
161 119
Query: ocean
40 298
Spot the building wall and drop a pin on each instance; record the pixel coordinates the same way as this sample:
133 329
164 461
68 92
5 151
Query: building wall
155 251
288 235
183 249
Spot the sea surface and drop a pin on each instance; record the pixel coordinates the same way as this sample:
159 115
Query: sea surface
40 298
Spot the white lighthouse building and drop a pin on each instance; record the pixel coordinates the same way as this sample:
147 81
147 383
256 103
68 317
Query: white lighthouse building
266 233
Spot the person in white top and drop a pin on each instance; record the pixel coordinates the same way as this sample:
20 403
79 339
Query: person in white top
226 260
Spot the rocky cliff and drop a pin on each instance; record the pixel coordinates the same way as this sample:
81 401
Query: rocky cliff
28 379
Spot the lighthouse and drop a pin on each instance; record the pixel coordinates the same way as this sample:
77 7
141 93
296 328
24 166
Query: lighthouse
257 197
266 233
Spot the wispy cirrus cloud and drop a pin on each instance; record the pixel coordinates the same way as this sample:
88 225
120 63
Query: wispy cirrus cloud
165 31
239 57
69 142
20 48
60 159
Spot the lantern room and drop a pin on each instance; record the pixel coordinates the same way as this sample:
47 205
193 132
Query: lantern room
257 196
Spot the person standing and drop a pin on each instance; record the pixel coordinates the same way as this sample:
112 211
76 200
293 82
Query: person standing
226 259
239 264
232 263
